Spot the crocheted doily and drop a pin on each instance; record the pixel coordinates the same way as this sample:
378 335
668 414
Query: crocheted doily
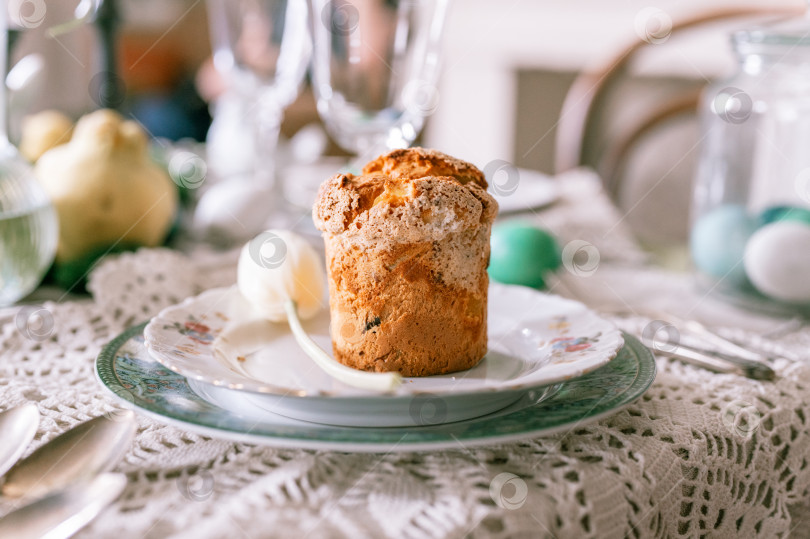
698 454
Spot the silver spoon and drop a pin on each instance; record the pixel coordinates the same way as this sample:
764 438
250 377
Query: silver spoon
84 451
61 514
17 428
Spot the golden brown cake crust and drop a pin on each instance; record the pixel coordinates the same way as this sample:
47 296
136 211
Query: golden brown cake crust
406 258
378 208
421 162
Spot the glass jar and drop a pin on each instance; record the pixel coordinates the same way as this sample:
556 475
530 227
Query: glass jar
750 228
28 228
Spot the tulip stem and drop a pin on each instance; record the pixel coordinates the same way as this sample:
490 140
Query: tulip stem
372 381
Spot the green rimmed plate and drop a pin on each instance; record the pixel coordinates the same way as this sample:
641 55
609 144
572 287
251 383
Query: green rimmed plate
535 340
126 369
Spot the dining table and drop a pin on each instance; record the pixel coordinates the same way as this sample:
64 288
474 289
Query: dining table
698 454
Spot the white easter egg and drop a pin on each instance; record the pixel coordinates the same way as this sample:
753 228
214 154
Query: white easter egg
777 261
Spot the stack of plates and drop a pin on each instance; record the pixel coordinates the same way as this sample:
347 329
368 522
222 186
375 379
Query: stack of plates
552 363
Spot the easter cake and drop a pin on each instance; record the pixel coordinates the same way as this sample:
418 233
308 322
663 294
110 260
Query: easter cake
407 247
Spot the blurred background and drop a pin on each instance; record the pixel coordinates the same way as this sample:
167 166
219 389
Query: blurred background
508 68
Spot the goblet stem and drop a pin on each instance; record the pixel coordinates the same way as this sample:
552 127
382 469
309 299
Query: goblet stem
266 128
267 125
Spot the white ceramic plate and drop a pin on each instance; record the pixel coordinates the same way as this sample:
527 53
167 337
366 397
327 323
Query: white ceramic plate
535 339
523 190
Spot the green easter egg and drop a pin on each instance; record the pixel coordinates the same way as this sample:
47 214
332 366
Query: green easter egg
785 213
522 254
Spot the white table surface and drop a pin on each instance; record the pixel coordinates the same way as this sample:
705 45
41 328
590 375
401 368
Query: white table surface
672 464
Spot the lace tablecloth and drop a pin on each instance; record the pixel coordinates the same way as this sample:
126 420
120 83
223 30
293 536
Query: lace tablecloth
698 454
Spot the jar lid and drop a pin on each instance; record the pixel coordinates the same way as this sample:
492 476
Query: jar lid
790 32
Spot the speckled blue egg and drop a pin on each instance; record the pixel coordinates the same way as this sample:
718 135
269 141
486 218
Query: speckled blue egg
718 240
784 213
522 254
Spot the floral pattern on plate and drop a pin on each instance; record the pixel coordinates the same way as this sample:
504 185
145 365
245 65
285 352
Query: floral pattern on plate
535 339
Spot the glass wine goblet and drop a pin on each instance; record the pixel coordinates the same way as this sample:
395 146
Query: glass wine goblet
28 224
262 48
375 65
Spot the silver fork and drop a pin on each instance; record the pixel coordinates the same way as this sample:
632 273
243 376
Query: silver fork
712 351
